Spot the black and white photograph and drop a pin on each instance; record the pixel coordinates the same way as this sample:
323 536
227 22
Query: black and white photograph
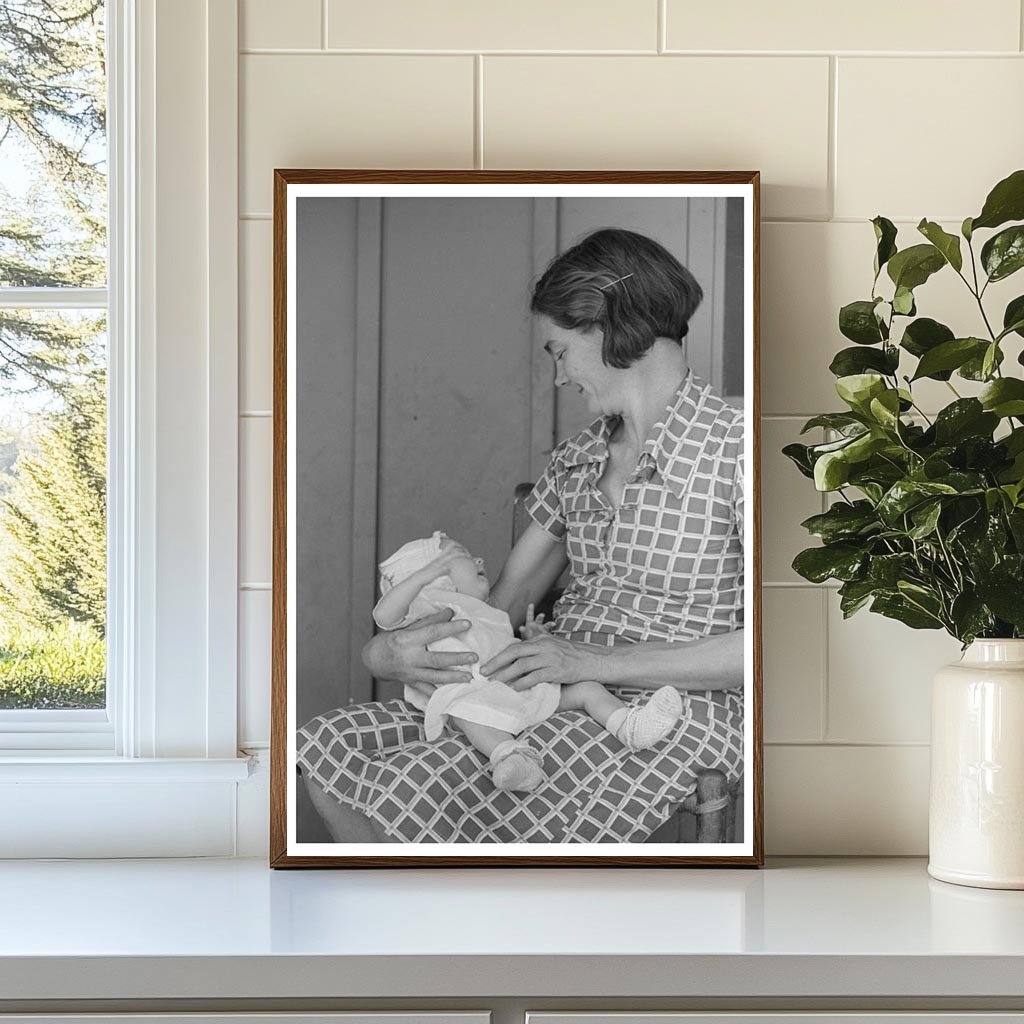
515 519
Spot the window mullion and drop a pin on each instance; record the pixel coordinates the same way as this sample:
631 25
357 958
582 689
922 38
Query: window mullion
53 298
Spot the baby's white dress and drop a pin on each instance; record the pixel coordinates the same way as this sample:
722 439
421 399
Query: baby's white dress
480 700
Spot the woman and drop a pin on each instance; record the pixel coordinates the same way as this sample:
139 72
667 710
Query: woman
645 506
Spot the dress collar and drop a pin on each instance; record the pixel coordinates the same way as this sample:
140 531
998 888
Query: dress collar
663 448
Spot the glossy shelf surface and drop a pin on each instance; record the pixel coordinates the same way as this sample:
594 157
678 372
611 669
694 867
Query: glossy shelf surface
233 927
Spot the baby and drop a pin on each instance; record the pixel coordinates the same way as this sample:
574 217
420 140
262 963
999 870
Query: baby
428 575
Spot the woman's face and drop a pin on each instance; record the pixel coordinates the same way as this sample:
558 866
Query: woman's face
578 364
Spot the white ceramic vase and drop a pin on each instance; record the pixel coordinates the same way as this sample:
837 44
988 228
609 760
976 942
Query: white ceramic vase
976 814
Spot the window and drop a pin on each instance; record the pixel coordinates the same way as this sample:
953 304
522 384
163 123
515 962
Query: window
53 368
168 287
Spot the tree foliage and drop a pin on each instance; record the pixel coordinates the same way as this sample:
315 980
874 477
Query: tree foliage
53 124
928 522
53 521
53 234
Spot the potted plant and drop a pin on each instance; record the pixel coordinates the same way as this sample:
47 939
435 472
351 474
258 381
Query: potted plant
926 524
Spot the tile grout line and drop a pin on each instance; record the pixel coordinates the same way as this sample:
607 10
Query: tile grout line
824 714
662 41
851 744
323 24
768 55
831 171
1020 24
478 111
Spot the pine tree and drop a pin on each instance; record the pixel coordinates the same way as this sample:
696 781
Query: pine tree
52 120
53 234
53 519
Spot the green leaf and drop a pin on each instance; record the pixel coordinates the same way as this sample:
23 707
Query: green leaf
865 446
1003 254
872 491
903 302
854 594
991 360
858 389
947 244
887 570
1013 317
970 617
1003 595
974 368
799 455
907 494
885 409
857 321
950 355
1005 202
1004 397
843 521
841 421
1016 522
885 236
899 608
840 561
923 335
965 228
913 266
963 482
850 361
831 471
966 417
925 518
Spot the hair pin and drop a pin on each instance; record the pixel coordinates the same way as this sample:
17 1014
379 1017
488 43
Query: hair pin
602 287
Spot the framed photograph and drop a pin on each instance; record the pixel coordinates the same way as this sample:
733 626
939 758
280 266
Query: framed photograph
516 552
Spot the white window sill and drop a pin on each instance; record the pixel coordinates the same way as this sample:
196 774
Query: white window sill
89 806
77 766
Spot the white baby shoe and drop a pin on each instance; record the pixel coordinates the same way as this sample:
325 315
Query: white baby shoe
516 767
640 727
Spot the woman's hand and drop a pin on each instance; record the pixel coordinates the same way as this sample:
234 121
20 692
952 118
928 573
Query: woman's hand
545 659
401 655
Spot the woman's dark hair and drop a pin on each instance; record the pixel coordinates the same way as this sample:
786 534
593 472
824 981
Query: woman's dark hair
626 284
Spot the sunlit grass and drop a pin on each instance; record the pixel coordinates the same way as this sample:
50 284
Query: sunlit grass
63 667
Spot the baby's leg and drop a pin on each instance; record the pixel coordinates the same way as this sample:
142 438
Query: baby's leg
591 697
638 728
515 765
484 737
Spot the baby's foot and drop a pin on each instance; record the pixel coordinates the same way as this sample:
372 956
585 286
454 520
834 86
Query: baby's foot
639 728
516 767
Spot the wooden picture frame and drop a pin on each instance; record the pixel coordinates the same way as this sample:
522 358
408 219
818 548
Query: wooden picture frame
408 373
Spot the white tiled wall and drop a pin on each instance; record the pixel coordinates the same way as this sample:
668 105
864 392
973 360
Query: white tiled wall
908 110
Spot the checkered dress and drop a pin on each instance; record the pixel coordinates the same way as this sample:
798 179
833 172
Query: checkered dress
666 565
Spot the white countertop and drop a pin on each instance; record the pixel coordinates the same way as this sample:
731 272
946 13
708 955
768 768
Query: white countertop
233 929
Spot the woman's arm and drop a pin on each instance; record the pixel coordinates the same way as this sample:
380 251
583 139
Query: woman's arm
532 567
713 663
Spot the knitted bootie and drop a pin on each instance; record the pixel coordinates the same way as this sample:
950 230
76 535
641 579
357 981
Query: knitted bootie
639 728
517 767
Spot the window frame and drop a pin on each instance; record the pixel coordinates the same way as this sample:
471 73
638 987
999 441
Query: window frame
172 466
66 730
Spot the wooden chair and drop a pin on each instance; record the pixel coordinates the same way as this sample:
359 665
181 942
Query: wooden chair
714 800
